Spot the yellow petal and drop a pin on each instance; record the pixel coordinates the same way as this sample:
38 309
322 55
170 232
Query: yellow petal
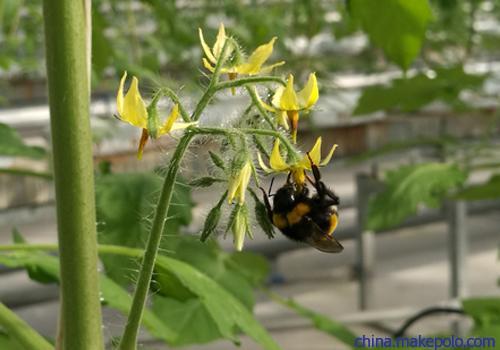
182 125
133 109
169 122
314 153
257 59
283 119
207 65
220 41
276 162
329 156
206 48
244 179
276 101
119 95
308 96
263 104
289 100
268 69
262 164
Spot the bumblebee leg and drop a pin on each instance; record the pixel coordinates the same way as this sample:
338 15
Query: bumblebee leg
270 187
269 209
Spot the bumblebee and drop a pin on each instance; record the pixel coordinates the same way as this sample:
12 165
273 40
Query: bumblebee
305 218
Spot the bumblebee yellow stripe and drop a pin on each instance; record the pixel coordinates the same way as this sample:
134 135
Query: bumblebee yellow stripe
279 221
297 213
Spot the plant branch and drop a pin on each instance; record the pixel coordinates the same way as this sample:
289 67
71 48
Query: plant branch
129 338
276 134
212 86
263 112
173 96
18 329
66 51
249 80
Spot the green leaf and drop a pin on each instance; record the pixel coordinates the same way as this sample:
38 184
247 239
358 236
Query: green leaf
411 94
488 190
407 188
320 321
485 311
212 219
9 343
227 312
112 294
396 26
124 202
190 320
12 145
486 314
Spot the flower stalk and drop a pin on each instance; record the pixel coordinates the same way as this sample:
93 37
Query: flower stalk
129 338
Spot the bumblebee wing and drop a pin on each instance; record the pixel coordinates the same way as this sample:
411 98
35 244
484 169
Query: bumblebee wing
323 242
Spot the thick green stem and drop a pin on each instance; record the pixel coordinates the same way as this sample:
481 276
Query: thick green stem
129 339
21 331
65 37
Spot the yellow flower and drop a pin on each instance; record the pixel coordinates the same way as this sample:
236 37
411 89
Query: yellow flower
287 103
238 183
298 168
132 109
250 66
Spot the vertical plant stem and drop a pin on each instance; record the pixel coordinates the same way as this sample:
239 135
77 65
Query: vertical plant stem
21 331
67 72
129 338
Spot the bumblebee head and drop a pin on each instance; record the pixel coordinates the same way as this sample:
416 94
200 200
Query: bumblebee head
284 198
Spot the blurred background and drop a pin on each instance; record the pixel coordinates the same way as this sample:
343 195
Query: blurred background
409 92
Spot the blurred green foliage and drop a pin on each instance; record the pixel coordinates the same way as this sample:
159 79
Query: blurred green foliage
409 186
124 202
12 145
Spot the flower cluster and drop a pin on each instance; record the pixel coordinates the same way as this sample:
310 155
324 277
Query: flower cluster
281 112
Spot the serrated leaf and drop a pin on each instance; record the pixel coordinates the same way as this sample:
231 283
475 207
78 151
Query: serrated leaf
320 321
212 219
411 94
123 203
488 190
407 188
396 26
262 217
12 145
227 312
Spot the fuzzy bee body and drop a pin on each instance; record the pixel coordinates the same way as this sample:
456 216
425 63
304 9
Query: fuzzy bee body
305 218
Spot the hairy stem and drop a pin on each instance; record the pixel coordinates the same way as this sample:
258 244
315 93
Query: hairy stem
249 80
67 71
263 112
173 96
129 339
